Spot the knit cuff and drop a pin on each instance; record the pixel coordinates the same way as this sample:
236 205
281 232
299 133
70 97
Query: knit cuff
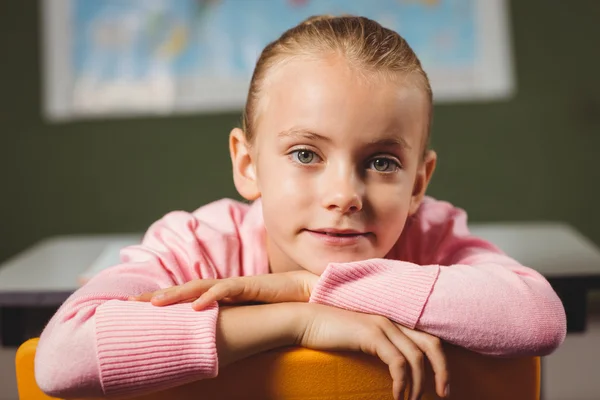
142 347
394 289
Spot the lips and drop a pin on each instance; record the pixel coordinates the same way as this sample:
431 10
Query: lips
339 237
338 232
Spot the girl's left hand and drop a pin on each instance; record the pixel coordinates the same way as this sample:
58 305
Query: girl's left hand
293 286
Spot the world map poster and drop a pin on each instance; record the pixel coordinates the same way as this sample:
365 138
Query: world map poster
107 58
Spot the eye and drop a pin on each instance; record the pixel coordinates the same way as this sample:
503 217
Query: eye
383 164
303 156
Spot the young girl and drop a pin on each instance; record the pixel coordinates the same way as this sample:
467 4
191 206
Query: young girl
339 245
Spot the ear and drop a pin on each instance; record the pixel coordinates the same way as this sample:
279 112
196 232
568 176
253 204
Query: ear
244 171
424 173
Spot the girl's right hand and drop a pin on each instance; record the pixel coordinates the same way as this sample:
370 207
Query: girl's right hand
330 328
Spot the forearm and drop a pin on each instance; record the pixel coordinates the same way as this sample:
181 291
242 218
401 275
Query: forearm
247 330
490 307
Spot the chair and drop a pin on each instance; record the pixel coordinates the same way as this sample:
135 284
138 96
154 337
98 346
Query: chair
297 373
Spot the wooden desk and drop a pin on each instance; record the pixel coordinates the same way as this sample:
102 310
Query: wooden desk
48 272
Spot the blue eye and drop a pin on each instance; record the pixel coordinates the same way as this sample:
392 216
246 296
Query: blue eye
303 156
382 164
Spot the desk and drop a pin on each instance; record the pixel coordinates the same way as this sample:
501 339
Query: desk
47 273
43 276
569 260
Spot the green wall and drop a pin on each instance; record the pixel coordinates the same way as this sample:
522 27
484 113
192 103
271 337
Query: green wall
530 158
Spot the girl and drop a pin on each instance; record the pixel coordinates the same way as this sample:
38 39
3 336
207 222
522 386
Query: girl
340 244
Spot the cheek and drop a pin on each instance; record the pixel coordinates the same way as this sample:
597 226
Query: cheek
285 193
393 214
285 185
390 206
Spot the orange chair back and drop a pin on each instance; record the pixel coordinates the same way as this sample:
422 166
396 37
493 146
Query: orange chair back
297 373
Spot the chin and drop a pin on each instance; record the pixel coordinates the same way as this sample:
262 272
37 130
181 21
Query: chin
318 270
318 267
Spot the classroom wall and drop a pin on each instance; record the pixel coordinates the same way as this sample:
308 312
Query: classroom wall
528 158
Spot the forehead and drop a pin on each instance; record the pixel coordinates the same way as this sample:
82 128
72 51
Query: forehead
336 99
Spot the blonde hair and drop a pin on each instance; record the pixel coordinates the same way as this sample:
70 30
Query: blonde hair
364 43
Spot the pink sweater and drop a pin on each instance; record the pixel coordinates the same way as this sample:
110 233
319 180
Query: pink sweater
437 278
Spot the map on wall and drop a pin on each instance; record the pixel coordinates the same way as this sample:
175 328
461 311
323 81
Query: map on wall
107 58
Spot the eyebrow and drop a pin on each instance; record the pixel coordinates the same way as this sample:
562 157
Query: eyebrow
296 133
391 142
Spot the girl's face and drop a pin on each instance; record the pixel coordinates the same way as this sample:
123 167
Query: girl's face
337 160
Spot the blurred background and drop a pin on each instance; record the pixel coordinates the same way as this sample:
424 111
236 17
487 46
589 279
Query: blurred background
528 155
531 156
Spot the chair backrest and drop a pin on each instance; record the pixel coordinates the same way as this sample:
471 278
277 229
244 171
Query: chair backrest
296 373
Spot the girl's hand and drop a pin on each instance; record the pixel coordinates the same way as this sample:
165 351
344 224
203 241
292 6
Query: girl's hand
401 348
294 286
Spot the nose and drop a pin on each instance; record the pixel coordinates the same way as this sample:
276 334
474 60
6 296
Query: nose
343 191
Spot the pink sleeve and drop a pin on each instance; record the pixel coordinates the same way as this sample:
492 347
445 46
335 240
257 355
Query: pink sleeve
98 343
466 292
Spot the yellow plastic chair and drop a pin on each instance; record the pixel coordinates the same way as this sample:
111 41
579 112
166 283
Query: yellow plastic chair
297 373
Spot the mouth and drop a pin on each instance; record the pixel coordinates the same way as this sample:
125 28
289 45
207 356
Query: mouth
339 237
338 232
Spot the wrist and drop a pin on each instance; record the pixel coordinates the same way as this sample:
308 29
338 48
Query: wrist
292 319
307 281
304 315
246 330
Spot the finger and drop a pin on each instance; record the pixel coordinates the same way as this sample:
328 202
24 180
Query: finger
227 300
182 293
439 364
218 292
142 297
413 355
432 347
389 354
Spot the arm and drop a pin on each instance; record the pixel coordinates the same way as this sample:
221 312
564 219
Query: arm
247 330
467 293
98 343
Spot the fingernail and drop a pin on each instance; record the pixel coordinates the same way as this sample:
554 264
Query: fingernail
447 391
197 303
159 296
